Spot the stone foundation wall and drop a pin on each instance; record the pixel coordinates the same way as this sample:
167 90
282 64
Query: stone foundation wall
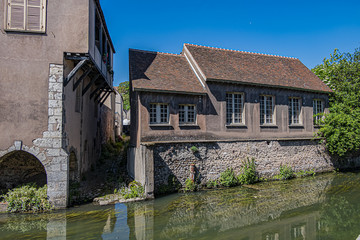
212 158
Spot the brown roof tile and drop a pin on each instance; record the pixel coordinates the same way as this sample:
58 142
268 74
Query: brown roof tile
154 71
254 68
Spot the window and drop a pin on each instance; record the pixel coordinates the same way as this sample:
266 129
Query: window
266 109
187 114
294 110
234 108
159 113
318 107
97 30
26 15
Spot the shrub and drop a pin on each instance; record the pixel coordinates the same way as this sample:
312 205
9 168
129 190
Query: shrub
27 198
136 190
303 173
248 173
228 178
286 172
194 149
212 184
190 185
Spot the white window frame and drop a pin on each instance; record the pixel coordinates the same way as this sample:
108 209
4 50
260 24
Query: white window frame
231 110
295 116
264 120
186 113
25 27
158 117
317 111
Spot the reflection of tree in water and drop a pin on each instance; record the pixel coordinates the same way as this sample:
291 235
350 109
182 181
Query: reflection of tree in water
340 215
25 224
86 222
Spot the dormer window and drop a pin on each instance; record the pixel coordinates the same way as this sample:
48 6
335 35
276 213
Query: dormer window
26 15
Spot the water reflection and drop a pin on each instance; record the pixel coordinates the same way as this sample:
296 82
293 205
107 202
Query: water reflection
324 207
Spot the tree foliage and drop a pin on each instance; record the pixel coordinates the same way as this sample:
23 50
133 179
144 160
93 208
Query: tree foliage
124 91
341 127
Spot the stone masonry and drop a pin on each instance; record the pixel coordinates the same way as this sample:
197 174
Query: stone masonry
49 149
212 158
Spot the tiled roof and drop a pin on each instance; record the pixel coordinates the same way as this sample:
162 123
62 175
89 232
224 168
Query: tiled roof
154 71
254 68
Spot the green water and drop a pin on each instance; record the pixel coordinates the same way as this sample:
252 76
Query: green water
322 207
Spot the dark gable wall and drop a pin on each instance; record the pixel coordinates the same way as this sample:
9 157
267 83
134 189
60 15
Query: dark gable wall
211 114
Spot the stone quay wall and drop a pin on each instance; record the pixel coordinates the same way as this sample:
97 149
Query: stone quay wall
212 158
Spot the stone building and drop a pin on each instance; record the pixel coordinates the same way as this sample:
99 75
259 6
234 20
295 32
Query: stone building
56 61
230 105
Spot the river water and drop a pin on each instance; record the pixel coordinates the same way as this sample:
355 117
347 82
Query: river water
322 207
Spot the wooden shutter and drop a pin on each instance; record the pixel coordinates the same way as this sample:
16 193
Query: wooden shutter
34 8
16 14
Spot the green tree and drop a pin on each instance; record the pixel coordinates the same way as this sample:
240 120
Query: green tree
124 91
341 127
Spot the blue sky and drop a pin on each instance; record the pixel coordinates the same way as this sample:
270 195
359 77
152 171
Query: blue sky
308 30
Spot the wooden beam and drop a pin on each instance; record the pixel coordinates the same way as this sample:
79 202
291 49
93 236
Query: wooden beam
82 77
102 97
74 71
90 83
103 101
97 89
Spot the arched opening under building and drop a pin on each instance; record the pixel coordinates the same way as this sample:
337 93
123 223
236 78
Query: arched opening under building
18 168
73 167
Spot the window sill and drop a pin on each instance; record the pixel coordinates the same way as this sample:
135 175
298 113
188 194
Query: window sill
268 125
24 31
159 125
296 126
236 125
188 125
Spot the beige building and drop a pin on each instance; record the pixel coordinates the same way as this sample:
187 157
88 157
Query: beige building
56 61
236 103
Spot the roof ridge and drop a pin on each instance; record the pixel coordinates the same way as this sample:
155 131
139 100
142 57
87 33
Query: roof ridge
231 50
164 53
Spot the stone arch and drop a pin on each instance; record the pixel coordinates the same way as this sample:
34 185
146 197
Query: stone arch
20 167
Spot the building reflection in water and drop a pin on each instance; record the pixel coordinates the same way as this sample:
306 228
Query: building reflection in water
309 208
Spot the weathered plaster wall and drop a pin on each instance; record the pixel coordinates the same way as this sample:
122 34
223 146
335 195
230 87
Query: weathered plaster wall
215 157
24 61
211 115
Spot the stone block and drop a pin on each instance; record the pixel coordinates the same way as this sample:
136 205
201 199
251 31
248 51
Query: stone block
63 153
52 134
54 167
55 103
12 148
59 160
53 152
55 119
59 176
34 151
58 96
42 142
41 157
57 111
57 143
55 87
64 167
18 145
